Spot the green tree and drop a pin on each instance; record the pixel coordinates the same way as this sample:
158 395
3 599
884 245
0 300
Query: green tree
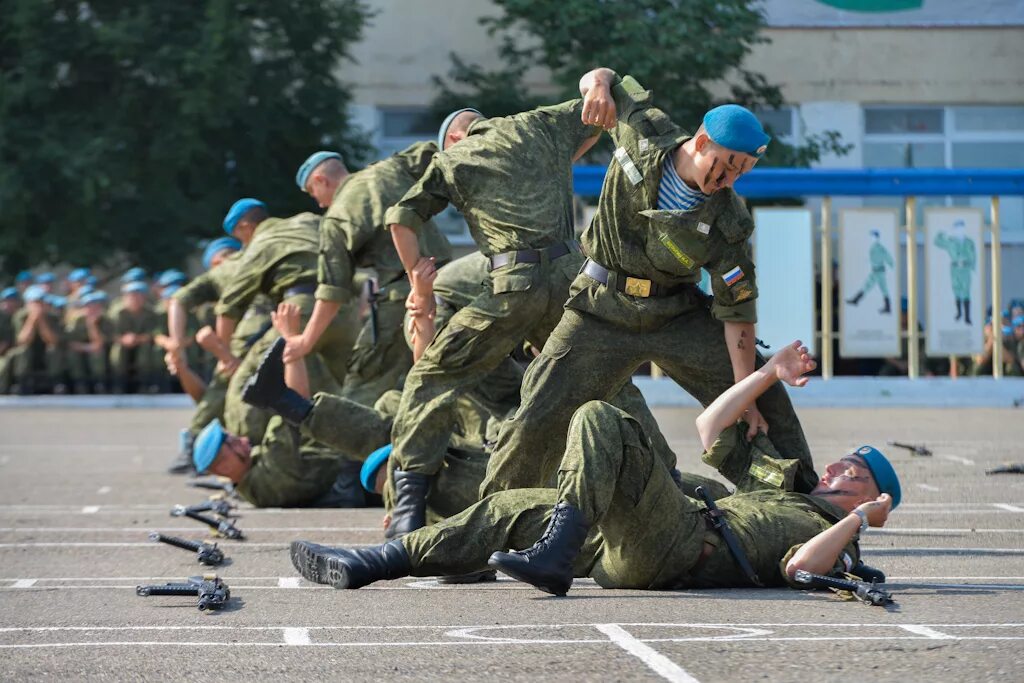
127 129
679 49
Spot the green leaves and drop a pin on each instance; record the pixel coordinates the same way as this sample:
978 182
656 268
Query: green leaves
128 129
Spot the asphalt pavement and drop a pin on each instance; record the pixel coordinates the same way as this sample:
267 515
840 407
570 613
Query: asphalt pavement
80 490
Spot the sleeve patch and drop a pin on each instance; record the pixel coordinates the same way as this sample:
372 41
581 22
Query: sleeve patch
768 475
743 292
733 276
680 255
632 172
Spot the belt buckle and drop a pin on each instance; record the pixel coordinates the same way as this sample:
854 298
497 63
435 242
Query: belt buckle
637 287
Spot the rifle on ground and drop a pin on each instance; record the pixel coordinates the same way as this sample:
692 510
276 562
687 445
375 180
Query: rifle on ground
223 527
208 553
913 448
868 593
213 593
1015 468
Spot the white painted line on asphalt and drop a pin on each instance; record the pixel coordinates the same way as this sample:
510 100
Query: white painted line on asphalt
297 636
958 459
928 487
1008 507
103 490
131 529
287 582
928 632
90 509
24 583
937 531
655 661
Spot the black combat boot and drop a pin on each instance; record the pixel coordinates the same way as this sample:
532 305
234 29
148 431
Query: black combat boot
886 306
266 388
410 511
856 299
547 564
350 567
868 573
967 311
959 309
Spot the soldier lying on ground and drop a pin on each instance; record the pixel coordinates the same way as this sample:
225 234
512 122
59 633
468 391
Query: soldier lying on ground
618 517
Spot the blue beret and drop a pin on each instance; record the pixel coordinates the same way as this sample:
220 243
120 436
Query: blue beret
1018 321
134 275
443 130
239 209
56 301
373 462
168 291
171 277
314 160
45 278
78 274
94 298
129 287
91 280
83 290
1007 330
9 293
736 128
216 246
207 445
882 471
33 293
23 276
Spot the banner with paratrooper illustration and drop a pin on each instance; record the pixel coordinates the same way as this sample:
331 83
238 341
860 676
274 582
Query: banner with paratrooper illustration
955 309
869 283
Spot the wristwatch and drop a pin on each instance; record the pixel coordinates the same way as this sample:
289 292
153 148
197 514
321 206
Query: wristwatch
863 520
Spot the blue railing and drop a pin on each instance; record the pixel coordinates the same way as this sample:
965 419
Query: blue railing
797 182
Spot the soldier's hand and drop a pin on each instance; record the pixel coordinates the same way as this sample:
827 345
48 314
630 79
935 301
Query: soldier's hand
287 319
877 510
599 107
791 363
171 361
756 420
295 348
226 369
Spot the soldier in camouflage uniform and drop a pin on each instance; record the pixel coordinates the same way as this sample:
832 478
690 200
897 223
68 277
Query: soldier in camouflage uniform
88 336
10 302
133 356
618 517
353 235
38 337
512 179
279 261
636 298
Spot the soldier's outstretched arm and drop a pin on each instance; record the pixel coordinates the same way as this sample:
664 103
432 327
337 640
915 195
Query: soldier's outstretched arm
819 554
790 365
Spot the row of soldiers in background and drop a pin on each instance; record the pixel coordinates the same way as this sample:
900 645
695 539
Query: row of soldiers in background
82 341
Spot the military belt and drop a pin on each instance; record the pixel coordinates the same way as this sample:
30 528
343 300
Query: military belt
627 284
308 288
716 520
551 253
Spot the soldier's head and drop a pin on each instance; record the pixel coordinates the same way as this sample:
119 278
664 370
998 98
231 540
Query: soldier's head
133 294
23 280
243 217
859 477
320 175
215 451
728 143
218 250
94 303
456 126
76 279
10 300
46 281
1018 327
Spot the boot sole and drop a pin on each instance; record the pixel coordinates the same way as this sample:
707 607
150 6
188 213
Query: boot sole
309 563
558 590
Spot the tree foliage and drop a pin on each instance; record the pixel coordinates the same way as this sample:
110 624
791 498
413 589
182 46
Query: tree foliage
680 49
128 128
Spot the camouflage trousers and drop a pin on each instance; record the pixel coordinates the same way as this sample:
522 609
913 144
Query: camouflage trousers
26 364
325 367
145 362
211 405
644 532
87 366
602 338
380 359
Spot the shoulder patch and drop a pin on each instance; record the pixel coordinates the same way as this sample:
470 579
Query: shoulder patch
632 172
731 217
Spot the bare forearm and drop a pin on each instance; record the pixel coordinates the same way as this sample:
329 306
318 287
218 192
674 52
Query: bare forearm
296 377
213 345
323 313
191 383
225 328
739 339
425 330
177 320
50 337
601 76
727 408
819 554
27 332
407 245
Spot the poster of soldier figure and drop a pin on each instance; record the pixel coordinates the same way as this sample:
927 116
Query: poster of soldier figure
869 283
954 270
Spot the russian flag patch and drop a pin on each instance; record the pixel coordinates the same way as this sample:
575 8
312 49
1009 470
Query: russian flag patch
733 276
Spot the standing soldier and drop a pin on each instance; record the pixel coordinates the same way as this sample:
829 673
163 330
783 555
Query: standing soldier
353 235
279 261
667 209
133 357
963 259
880 259
89 335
